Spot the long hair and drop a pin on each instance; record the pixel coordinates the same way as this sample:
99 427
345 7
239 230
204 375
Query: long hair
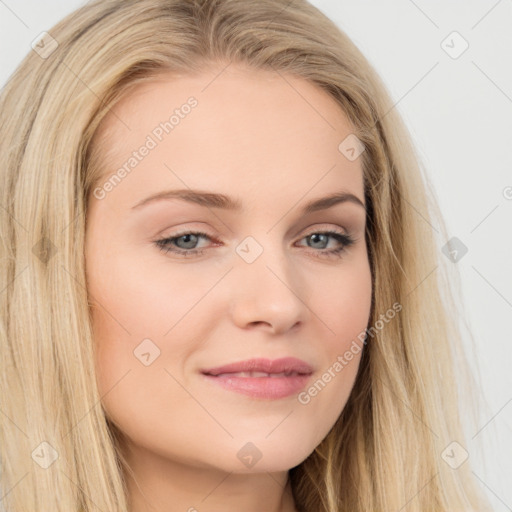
59 452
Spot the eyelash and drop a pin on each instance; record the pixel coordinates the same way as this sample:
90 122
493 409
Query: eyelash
164 244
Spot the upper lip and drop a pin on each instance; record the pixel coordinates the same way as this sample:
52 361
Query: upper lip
285 364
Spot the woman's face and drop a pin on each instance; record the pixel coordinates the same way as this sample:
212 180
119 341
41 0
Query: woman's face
262 281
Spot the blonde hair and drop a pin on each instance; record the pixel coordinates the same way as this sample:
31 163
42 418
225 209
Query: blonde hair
384 451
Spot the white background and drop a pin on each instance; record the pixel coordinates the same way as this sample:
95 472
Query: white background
459 111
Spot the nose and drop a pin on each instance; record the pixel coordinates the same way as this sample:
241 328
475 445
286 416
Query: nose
267 294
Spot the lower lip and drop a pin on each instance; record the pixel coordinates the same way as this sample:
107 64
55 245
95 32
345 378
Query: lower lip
271 388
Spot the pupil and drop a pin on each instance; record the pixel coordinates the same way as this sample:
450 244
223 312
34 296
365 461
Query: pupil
315 237
190 240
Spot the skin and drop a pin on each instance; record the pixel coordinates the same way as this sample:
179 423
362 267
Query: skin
271 142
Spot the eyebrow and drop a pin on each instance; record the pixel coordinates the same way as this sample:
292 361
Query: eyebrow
214 200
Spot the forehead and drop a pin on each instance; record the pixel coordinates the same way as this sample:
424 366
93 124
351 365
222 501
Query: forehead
246 128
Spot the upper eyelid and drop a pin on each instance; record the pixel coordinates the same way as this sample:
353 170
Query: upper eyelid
203 234
326 227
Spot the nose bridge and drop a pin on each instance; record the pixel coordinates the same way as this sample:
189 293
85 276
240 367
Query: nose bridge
267 285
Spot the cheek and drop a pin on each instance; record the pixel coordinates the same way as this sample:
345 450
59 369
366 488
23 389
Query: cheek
130 307
142 299
342 302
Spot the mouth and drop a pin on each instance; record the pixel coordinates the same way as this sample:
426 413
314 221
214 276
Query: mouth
259 378
258 374
261 367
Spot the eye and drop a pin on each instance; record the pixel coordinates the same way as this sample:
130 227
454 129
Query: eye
321 238
184 244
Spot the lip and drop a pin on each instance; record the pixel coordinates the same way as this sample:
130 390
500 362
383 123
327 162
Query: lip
271 387
284 364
